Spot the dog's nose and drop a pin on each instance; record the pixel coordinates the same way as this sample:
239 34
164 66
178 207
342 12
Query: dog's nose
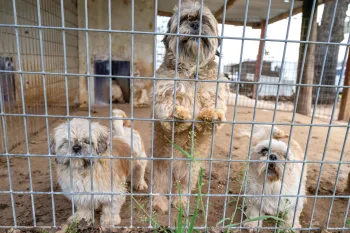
273 157
76 148
195 25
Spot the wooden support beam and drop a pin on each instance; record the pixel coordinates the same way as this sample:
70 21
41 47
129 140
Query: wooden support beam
295 11
285 15
229 4
258 58
344 111
240 23
228 22
164 13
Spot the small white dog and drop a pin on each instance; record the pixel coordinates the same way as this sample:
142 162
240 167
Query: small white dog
103 174
272 168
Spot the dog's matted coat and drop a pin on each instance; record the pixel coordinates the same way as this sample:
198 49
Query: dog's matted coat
108 175
206 109
279 160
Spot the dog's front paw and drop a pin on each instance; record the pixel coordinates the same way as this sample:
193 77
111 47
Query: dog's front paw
251 226
107 220
208 116
79 215
180 202
289 224
142 185
180 113
160 204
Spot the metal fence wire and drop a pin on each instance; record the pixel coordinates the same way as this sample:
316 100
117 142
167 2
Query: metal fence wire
60 60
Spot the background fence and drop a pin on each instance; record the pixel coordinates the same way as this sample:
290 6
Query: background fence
267 93
48 50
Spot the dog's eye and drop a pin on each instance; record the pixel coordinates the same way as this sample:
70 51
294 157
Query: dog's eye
87 141
264 151
191 18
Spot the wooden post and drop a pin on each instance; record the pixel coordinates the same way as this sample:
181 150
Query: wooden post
83 90
348 188
307 77
258 58
344 111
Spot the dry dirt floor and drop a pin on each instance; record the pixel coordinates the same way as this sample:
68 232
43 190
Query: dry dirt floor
44 203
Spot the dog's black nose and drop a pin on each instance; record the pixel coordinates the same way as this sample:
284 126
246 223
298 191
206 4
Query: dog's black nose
273 157
194 25
76 148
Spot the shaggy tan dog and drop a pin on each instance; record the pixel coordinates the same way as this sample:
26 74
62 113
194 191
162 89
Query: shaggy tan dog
272 168
206 109
75 176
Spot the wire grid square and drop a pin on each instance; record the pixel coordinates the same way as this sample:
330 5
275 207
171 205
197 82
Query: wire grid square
44 40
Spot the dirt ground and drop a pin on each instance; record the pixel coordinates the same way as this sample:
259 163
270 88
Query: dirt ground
44 203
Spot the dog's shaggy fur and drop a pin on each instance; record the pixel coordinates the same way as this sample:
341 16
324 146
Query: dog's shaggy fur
102 171
122 131
274 166
205 109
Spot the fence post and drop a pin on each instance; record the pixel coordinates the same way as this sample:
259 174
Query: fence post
344 111
258 58
306 73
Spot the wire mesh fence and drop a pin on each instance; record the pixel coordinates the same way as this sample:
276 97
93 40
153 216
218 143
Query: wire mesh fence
267 93
269 163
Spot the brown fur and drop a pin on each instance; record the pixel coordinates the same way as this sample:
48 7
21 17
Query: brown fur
205 109
122 149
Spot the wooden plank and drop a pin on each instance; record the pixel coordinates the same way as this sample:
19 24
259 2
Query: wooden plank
229 4
344 111
285 15
228 22
164 13
240 23
258 59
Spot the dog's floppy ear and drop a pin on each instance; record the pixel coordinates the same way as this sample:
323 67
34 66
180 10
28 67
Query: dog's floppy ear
217 53
52 145
165 39
102 140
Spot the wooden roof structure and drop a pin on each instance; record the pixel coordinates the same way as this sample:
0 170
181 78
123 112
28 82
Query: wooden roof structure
235 10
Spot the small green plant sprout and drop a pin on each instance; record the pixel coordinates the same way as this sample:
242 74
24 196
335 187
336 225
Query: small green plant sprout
154 223
73 227
187 154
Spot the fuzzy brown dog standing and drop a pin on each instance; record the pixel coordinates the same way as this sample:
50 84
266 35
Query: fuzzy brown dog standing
206 109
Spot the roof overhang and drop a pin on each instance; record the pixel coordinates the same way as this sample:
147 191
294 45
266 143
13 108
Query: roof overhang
235 10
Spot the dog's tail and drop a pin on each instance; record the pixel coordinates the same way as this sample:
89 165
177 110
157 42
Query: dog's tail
263 132
119 124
